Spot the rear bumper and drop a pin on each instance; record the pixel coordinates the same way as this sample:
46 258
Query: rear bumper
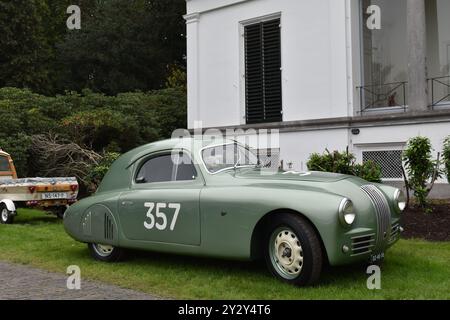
44 204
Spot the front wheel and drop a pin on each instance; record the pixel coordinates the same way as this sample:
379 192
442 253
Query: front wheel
105 253
6 216
293 250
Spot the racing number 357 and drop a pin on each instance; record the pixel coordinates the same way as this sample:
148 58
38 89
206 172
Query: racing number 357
158 219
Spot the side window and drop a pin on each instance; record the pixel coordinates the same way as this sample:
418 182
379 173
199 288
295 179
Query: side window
4 164
163 169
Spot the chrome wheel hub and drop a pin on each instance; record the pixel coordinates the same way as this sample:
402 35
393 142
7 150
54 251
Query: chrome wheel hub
103 250
286 253
5 215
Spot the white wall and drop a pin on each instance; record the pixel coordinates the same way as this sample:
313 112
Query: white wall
296 147
398 135
314 59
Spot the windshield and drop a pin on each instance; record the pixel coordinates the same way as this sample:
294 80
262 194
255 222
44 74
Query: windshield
228 156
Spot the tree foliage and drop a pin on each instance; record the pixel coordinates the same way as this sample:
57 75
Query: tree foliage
123 45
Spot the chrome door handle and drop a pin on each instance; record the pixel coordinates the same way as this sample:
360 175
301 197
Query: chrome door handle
127 203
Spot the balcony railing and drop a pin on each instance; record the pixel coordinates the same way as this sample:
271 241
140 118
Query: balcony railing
440 91
382 96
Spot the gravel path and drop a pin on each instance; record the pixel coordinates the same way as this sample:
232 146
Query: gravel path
19 282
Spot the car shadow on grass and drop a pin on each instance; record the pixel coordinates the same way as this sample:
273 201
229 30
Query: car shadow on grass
30 219
330 275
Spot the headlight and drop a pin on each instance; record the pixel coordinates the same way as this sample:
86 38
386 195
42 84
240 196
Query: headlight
347 214
399 200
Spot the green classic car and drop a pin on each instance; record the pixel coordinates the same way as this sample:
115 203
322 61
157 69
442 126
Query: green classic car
208 197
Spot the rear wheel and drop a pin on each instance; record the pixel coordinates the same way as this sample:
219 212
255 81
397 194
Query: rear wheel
106 253
293 250
6 216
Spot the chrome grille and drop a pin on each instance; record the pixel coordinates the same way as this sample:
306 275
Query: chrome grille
395 233
363 244
383 214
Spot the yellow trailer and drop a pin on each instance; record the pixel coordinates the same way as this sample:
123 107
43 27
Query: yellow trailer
50 194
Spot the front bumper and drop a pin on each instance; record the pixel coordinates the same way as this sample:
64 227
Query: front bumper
361 244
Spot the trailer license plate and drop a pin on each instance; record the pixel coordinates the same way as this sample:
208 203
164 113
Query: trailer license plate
54 195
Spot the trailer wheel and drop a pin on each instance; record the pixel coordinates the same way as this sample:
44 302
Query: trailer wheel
6 216
60 212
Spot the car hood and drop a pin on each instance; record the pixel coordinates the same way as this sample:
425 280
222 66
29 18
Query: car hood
312 176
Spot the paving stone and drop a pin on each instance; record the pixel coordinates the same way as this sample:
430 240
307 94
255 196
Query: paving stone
18 282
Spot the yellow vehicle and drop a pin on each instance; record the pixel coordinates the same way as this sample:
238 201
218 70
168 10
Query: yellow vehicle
50 194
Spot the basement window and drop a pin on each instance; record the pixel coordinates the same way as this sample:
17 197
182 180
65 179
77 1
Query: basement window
390 162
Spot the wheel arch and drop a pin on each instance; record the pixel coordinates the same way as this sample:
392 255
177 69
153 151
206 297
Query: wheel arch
258 234
9 204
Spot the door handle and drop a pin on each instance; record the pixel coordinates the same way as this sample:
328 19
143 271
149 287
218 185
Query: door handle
127 203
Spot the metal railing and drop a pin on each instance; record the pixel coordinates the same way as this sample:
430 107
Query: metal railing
388 95
440 91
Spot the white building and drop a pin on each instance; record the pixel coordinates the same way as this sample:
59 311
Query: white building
314 70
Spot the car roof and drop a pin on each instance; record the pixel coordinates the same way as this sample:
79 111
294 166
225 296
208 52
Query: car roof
119 174
189 143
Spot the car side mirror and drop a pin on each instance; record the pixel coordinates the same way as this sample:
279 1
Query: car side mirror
141 180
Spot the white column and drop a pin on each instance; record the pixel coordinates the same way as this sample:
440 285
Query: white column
193 81
417 53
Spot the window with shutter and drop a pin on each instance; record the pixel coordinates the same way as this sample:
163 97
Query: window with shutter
263 72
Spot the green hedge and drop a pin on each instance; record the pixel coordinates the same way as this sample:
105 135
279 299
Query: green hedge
96 121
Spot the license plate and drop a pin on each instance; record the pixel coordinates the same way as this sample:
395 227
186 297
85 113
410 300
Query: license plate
54 195
376 257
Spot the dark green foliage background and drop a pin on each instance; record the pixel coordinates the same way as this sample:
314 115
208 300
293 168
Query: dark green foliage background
117 83
123 45
93 120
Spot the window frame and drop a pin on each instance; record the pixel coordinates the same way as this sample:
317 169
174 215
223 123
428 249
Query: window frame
138 166
242 57
224 169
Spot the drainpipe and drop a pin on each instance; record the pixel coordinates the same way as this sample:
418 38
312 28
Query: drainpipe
417 55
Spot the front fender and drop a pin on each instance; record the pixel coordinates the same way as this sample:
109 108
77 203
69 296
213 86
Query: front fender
9 205
230 215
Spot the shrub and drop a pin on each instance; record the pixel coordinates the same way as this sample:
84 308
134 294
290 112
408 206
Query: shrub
345 163
421 169
99 170
18 146
446 155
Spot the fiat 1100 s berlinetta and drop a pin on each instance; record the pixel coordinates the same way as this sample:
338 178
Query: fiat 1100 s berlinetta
212 198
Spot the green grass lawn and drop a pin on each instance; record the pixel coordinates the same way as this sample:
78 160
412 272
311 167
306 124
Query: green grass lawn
413 269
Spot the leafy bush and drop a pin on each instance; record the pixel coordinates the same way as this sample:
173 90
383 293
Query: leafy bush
421 169
368 170
18 147
345 163
98 171
91 120
446 155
